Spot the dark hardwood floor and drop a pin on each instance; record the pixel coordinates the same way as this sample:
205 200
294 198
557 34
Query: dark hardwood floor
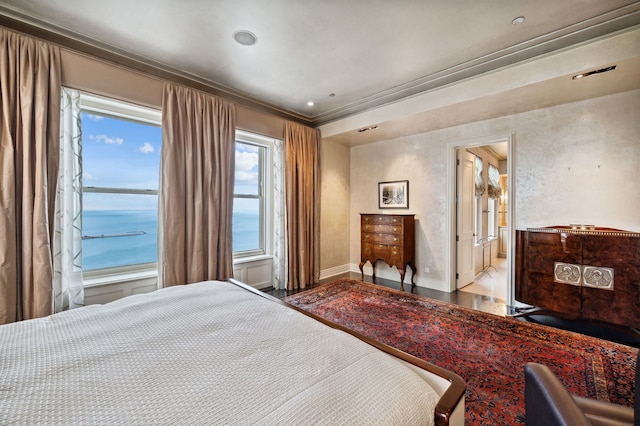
469 300
491 305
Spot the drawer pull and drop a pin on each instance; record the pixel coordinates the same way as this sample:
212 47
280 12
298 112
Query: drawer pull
395 239
380 245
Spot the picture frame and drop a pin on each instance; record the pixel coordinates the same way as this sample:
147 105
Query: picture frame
393 194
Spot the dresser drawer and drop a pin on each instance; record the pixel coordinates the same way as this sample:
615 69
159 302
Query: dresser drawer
381 219
388 239
383 229
395 255
381 238
379 251
366 251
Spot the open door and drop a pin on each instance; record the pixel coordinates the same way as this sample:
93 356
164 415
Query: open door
465 193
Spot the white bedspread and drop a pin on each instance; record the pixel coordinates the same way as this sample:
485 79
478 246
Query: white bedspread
208 353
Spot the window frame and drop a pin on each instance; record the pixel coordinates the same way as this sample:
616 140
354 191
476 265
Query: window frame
478 216
122 110
492 218
266 194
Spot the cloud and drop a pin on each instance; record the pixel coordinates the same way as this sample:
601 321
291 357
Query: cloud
246 160
107 139
147 148
95 117
242 176
246 166
87 176
245 147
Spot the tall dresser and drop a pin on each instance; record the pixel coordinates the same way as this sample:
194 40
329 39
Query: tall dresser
390 238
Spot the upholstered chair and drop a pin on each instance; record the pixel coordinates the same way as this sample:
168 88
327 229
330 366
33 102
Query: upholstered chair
549 403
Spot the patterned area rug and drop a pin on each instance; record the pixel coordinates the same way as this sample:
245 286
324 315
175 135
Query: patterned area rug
488 351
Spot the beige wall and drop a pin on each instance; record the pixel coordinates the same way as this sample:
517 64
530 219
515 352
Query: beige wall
95 76
334 214
574 163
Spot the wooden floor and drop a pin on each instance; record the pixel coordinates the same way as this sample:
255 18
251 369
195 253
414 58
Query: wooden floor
490 304
463 298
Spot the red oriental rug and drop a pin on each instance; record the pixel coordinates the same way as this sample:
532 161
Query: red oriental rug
488 351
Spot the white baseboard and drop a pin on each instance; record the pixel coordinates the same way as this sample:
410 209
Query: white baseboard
336 270
385 272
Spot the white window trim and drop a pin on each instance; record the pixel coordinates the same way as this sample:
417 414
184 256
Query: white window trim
127 111
267 198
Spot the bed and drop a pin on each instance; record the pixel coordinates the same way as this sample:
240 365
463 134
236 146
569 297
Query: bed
212 353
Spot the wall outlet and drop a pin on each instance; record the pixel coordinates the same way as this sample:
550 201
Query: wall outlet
426 270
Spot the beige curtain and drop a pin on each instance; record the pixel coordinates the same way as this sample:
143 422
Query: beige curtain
196 186
302 183
29 144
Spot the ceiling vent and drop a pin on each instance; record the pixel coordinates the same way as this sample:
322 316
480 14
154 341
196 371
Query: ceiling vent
587 74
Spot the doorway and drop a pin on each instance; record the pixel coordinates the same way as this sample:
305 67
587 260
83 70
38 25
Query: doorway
481 217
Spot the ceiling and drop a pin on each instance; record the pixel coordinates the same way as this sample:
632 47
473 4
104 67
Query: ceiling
364 52
347 57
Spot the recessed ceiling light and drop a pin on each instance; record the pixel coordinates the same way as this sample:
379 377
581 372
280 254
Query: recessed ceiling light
245 38
366 129
587 74
518 20
310 103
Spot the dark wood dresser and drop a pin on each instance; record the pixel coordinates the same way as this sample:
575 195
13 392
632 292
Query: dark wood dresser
390 238
589 274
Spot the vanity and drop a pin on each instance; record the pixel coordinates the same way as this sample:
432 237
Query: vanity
580 272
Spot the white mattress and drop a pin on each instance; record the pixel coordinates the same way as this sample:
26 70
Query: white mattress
207 353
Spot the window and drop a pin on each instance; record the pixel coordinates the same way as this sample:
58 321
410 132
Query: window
495 191
252 196
120 173
492 211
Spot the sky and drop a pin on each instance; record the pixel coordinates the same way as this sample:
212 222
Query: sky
125 154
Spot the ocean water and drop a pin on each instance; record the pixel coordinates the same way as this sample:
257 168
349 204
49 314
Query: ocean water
129 237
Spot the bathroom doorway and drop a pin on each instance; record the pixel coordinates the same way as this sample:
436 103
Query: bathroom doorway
481 218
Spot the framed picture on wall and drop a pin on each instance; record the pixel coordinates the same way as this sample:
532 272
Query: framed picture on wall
393 195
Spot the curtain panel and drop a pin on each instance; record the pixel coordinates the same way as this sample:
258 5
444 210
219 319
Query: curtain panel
68 289
480 187
29 152
493 182
196 187
280 256
302 186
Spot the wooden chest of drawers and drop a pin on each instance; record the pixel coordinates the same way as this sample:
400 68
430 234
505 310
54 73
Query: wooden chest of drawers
390 238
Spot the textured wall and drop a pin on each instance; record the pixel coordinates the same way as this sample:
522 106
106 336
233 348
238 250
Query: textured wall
334 214
574 163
